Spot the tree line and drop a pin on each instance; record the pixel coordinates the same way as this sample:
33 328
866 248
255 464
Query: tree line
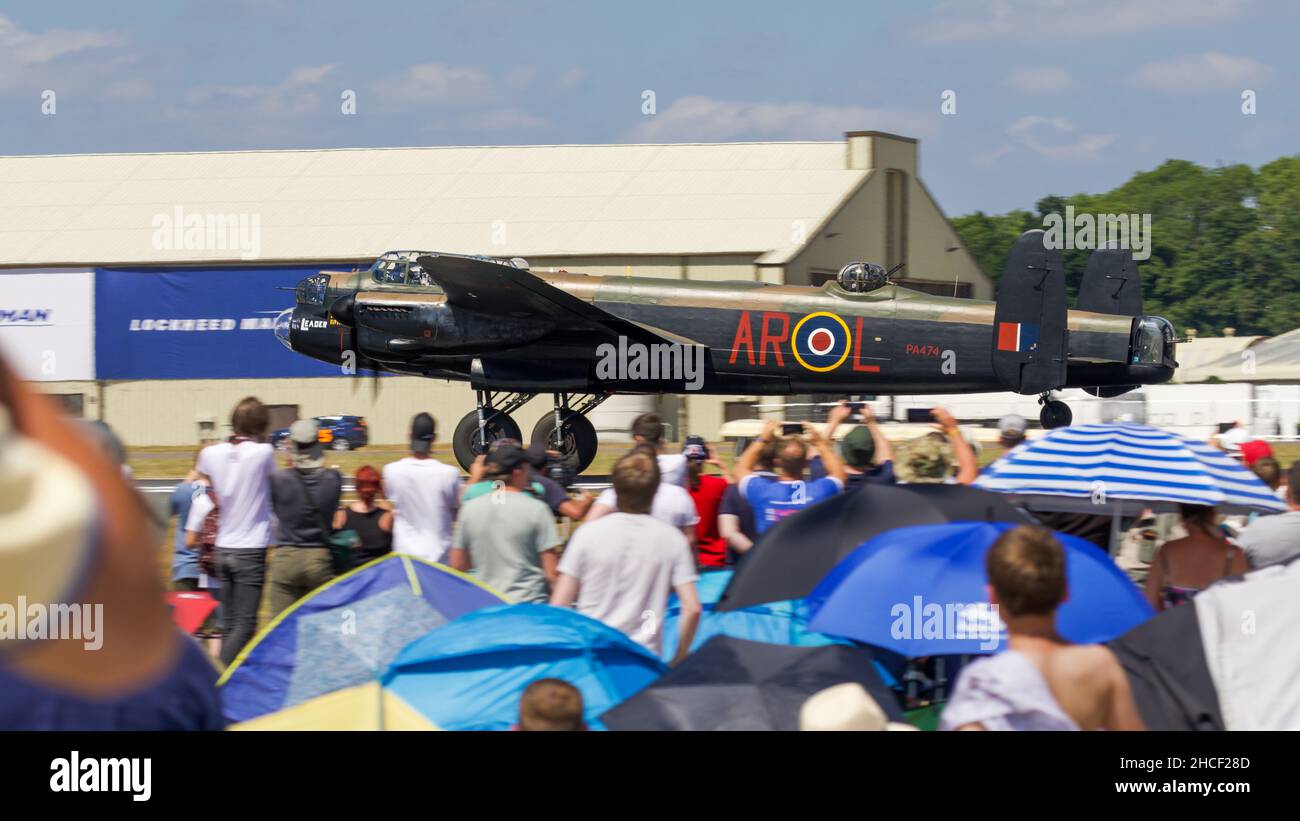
1224 244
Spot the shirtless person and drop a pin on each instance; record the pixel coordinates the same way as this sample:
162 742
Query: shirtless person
1041 682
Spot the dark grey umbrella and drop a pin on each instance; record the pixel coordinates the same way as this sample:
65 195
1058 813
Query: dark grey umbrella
734 684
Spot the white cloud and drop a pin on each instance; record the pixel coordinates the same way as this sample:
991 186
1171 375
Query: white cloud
961 20
295 95
1055 139
1046 80
60 59
440 84
26 48
1211 71
709 119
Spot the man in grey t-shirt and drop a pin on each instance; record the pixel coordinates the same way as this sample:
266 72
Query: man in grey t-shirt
1275 538
508 535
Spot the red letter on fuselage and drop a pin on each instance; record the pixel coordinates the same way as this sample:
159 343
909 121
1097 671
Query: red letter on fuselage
857 352
775 340
744 336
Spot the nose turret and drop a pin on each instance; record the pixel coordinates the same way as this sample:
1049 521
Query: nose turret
283 325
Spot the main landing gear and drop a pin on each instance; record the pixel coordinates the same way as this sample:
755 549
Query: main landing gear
566 430
1055 413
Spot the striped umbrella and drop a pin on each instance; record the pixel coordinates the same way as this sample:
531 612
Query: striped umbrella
1126 466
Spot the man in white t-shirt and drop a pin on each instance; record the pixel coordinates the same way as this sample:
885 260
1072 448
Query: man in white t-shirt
672 504
425 494
621 568
240 473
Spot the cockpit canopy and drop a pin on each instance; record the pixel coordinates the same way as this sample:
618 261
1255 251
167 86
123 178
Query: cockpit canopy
402 267
862 277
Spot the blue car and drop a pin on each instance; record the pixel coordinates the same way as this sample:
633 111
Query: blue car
336 433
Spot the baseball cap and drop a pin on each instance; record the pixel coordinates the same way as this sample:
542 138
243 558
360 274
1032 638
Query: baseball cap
1012 427
305 436
507 457
422 429
1253 450
858 448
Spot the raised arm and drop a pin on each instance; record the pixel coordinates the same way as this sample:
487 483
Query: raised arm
745 464
967 467
830 459
884 450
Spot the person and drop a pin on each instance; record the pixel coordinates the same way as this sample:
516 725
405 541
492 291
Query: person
1183 567
1270 473
540 485
72 531
620 568
859 449
1276 537
304 498
425 494
672 503
648 429
508 535
1012 431
185 558
706 492
551 705
1041 681
789 492
239 471
736 516
929 458
372 523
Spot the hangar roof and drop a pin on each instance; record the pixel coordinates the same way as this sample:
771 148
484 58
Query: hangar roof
1276 359
347 204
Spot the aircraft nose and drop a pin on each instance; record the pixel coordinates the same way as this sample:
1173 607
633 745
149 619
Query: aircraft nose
284 324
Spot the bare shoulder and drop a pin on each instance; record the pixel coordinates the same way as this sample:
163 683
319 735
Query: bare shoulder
1093 663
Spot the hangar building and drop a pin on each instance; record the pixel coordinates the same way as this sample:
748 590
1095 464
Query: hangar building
132 283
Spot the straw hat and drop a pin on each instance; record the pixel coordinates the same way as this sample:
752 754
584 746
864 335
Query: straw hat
47 512
845 706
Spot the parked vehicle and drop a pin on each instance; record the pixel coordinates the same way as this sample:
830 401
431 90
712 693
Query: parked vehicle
342 432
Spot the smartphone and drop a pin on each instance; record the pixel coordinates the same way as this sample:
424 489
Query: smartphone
915 415
791 428
856 407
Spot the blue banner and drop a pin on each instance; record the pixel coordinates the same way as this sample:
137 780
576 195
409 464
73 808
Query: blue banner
197 323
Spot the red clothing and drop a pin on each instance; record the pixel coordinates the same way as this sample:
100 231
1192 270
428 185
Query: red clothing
712 547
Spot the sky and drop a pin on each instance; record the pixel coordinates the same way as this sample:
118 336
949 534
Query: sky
1012 100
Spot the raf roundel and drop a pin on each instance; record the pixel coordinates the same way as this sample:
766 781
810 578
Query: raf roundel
821 341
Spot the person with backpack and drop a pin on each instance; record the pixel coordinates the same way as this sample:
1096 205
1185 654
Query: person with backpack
304 498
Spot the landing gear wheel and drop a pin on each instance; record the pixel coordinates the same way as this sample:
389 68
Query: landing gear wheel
577 441
466 442
1055 414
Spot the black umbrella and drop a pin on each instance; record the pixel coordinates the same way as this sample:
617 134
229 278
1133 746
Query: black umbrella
789 560
1165 662
734 684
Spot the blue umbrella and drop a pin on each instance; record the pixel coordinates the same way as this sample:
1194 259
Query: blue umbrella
920 591
470 674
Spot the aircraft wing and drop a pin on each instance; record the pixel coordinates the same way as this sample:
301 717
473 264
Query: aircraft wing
492 288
